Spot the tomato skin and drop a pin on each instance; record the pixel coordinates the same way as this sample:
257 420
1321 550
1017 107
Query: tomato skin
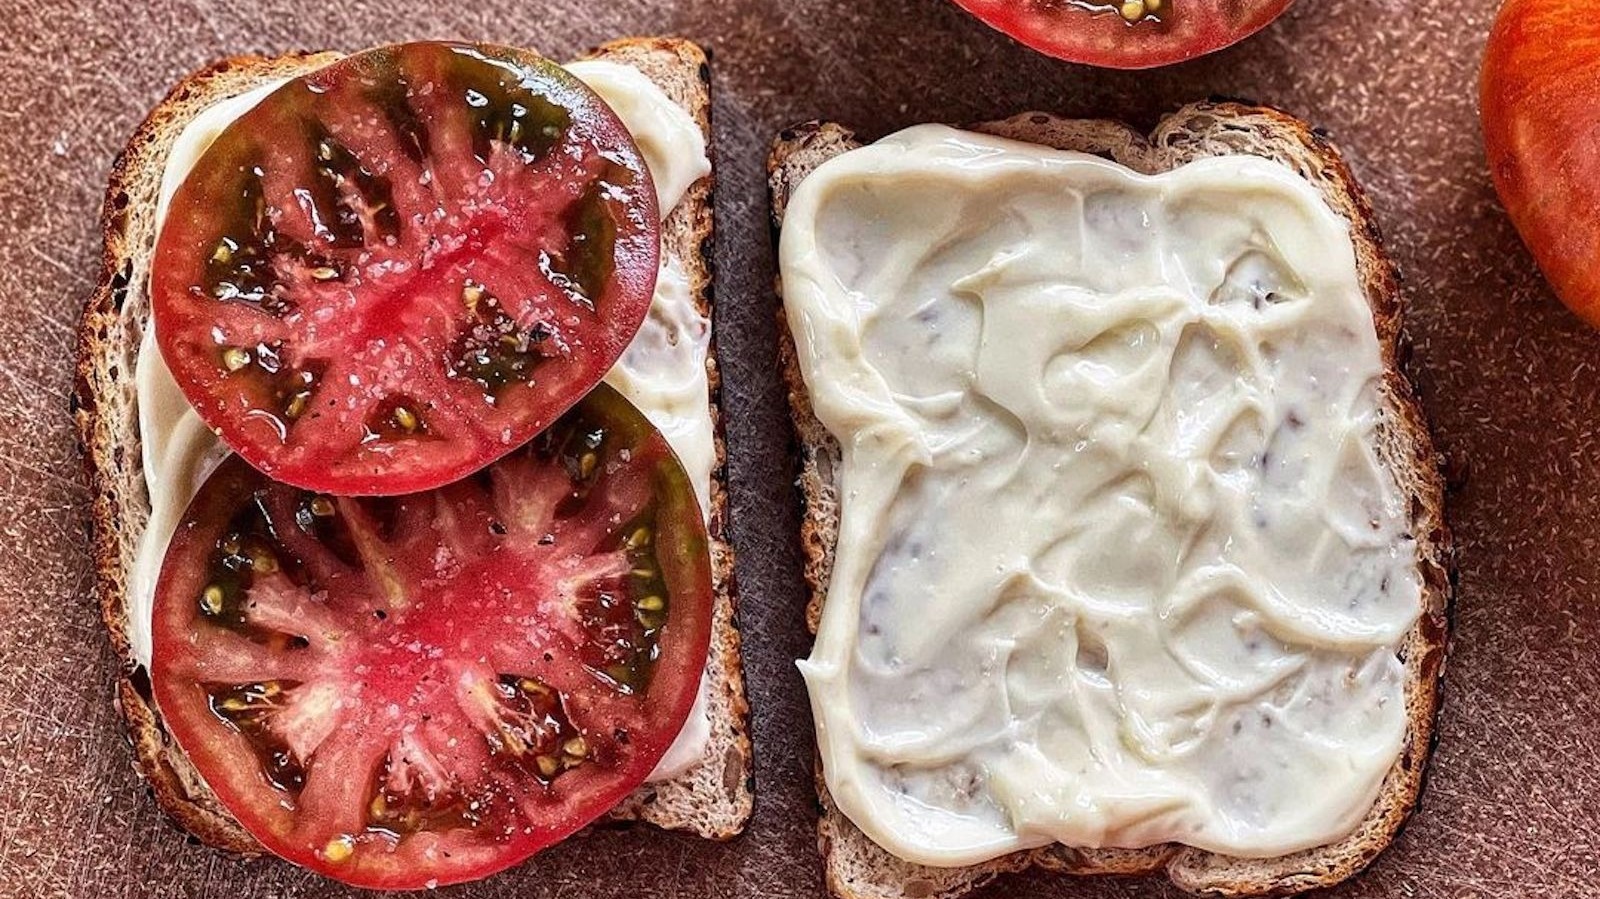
1539 100
1095 34
372 662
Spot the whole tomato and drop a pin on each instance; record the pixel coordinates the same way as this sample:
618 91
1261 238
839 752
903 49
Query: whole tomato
1539 98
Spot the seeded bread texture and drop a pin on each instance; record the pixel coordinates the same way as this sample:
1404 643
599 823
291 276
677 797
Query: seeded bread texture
857 868
712 799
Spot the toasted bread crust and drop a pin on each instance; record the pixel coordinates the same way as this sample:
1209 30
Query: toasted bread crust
712 799
855 867
715 798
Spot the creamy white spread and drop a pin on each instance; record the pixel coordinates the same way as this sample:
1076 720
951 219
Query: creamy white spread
1118 563
663 372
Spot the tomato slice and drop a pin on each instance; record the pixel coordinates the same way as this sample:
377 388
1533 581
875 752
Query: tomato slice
421 690
396 269
1127 34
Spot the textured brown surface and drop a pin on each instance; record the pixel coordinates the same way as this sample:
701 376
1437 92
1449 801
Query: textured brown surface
1508 379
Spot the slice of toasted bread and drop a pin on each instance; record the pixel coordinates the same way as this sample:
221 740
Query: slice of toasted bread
856 867
713 798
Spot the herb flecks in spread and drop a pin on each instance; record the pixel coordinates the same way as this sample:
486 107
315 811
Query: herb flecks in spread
1118 561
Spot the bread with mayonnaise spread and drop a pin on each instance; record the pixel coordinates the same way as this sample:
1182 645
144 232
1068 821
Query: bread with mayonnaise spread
858 868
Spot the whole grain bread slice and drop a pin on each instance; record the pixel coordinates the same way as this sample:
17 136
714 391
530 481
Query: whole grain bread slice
713 798
856 867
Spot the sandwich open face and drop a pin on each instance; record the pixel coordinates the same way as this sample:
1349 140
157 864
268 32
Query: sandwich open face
470 592
1124 529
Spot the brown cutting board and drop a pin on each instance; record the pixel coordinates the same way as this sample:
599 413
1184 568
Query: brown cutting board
1508 379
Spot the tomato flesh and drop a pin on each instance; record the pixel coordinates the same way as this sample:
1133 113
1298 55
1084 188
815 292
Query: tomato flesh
420 690
398 268
1127 34
1540 105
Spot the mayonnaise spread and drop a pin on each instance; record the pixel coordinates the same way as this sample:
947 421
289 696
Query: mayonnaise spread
663 372
1118 563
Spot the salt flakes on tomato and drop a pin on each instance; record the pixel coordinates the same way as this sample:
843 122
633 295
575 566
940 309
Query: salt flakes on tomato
396 269
425 689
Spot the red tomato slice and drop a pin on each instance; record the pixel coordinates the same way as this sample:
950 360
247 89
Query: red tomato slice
396 269
421 690
1127 34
